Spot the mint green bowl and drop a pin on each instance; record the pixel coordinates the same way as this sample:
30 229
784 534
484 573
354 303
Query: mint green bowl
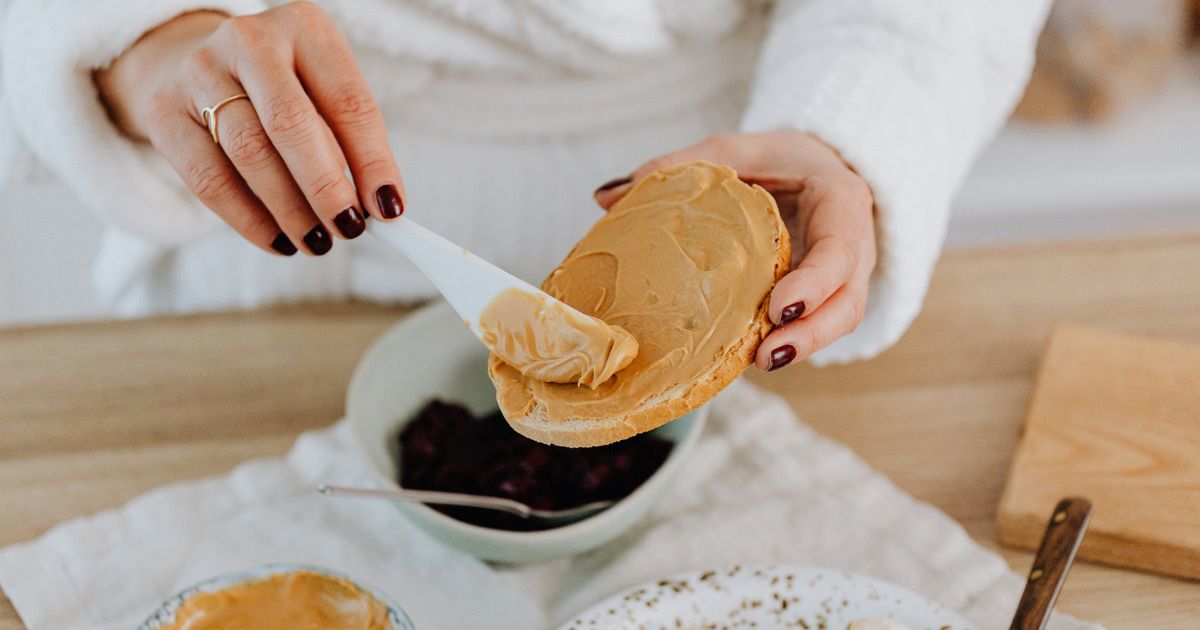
430 354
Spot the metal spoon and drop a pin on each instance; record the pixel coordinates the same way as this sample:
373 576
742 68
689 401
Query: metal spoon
1063 535
509 506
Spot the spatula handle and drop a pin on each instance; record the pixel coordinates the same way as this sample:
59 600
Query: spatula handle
1061 541
466 281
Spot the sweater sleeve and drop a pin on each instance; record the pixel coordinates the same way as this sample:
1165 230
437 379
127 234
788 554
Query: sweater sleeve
908 93
50 109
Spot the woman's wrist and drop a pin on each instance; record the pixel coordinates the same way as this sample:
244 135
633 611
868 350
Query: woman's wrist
127 85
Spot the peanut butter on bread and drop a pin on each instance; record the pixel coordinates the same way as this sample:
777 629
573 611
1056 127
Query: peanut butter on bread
684 263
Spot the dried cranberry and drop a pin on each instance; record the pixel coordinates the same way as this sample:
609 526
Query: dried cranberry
447 448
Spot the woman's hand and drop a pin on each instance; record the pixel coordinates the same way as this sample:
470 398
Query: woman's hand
278 176
829 211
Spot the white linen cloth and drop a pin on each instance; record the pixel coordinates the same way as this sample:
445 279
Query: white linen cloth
760 488
504 116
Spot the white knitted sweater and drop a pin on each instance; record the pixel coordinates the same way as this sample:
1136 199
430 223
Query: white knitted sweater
505 115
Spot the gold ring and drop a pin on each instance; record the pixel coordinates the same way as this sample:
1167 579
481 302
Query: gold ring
209 115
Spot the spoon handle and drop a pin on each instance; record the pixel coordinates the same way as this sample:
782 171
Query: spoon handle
1061 541
515 508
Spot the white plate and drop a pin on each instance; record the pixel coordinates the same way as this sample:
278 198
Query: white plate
765 597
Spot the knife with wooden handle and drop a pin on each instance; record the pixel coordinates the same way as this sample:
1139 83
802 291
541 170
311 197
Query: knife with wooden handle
1061 541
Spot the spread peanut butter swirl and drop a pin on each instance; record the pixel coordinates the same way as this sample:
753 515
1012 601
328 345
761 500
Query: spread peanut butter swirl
683 263
552 344
302 599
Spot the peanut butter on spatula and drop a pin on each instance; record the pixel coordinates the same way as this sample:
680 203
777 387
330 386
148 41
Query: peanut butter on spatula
546 342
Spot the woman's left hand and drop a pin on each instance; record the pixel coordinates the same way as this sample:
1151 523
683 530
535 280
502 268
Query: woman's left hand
829 211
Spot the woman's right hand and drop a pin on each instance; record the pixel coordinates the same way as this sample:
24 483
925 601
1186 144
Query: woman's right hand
278 176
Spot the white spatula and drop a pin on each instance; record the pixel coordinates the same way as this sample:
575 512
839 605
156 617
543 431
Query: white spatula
467 281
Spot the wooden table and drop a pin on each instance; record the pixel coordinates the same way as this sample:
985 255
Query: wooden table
95 414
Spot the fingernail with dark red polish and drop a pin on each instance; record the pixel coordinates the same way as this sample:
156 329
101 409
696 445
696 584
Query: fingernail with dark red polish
782 356
613 183
283 245
390 203
790 312
350 223
318 241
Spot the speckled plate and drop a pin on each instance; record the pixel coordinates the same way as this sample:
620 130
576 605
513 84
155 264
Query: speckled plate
165 615
765 597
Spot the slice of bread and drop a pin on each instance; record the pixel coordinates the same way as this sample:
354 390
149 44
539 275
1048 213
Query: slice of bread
752 213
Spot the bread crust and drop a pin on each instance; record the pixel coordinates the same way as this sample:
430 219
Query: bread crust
533 423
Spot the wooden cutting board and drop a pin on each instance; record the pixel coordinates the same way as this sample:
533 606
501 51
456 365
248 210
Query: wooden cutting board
1115 419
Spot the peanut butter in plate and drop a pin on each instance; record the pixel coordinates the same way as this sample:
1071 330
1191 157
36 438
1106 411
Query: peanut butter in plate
287 601
548 343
